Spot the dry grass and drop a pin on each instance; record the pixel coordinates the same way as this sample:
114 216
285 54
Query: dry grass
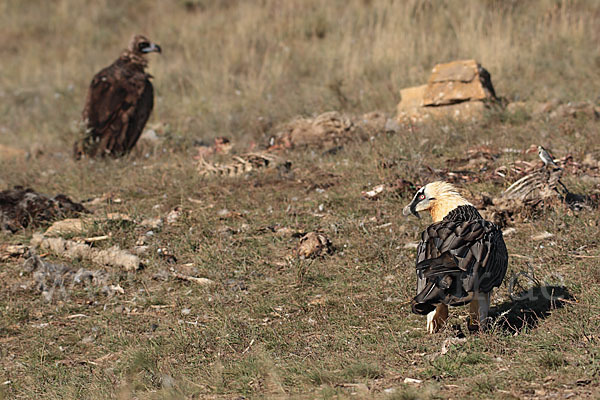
236 67
271 327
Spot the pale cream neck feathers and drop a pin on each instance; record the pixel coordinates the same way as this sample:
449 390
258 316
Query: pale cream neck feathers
446 198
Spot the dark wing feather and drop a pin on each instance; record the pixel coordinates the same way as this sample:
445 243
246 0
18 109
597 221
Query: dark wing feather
143 109
118 104
457 258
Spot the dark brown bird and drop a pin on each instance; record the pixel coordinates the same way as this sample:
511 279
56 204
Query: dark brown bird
460 259
118 104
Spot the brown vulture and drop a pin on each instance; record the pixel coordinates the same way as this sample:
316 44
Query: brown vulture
460 259
118 104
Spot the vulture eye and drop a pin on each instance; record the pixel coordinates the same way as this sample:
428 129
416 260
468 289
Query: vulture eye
143 45
422 197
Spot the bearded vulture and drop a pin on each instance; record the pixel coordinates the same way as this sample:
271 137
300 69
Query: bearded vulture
118 104
460 259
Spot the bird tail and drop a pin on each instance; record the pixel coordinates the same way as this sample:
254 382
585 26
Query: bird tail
440 273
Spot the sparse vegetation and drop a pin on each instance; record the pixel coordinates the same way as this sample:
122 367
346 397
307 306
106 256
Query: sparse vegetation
273 325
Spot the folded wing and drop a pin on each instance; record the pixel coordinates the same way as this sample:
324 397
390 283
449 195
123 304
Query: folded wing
457 258
119 102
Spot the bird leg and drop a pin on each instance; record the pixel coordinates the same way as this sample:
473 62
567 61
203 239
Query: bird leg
478 311
437 318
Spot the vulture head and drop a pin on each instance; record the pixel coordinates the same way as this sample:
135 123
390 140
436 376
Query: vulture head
141 45
439 198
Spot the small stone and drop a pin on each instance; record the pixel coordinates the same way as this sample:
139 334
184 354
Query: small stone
173 215
152 223
167 381
223 213
140 250
542 236
508 231
87 340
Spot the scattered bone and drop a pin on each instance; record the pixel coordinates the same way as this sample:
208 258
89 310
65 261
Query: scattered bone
412 381
317 300
199 281
14 250
78 226
537 186
399 186
105 198
116 217
152 223
325 131
115 289
65 227
313 245
508 231
94 239
286 231
449 342
221 145
227 214
331 130
173 215
374 193
243 165
541 188
544 185
542 236
20 208
140 250
113 256
73 316
375 123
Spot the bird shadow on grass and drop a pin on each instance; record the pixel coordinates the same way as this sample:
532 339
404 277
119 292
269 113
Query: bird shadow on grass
528 308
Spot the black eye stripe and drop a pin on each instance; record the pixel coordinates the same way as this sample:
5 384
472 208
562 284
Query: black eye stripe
418 194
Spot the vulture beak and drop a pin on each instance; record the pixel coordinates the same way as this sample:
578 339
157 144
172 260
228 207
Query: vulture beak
410 209
152 48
